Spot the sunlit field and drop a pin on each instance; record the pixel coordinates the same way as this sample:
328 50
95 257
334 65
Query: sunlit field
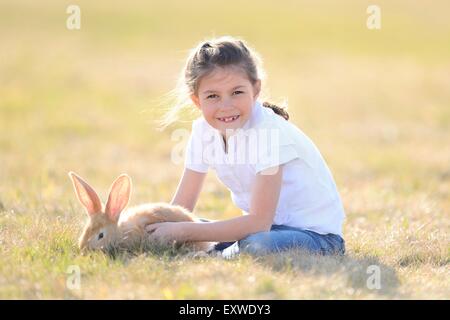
375 102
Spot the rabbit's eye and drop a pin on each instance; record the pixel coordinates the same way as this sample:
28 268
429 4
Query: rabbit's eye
100 236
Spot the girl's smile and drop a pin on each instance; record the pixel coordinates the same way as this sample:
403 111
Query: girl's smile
229 119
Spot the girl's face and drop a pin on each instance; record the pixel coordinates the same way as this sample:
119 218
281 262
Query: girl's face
226 97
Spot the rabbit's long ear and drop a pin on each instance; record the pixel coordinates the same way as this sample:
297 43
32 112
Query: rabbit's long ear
118 198
86 195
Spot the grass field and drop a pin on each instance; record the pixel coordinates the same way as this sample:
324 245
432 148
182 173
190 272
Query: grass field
376 103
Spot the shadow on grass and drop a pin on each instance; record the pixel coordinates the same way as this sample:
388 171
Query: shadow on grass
361 272
167 252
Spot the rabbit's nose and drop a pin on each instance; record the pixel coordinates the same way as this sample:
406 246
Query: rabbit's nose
84 246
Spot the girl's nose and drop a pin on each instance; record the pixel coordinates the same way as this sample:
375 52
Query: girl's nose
226 103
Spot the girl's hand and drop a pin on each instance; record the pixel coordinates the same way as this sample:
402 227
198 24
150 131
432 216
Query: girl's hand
167 231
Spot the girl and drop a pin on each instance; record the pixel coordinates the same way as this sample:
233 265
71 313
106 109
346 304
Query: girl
281 183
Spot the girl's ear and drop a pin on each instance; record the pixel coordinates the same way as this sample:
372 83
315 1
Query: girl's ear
118 198
86 195
195 100
257 88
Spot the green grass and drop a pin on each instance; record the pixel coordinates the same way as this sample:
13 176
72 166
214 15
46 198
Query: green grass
375 102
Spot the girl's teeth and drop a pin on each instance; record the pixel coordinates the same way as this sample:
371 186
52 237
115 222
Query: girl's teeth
229 119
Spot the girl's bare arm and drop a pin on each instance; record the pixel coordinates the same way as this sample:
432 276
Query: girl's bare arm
188 189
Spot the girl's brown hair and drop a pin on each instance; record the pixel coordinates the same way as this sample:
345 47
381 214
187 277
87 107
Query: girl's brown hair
204 58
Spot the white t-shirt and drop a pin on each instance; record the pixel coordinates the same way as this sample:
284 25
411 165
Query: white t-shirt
308 197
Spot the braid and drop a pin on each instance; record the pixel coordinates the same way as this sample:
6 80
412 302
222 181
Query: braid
278 110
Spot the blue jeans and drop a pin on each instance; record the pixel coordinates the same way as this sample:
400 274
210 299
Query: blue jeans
280 238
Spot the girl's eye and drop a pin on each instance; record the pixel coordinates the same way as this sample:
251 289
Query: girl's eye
100 236
238 92
211 96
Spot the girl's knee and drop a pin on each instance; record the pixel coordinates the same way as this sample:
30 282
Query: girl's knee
257 244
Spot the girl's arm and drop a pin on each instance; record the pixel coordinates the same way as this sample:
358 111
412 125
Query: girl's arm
265 194
188 189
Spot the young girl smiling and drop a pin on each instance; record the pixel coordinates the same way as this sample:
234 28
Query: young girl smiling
288 196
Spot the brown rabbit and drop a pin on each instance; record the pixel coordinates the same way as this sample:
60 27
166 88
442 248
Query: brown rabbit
110 226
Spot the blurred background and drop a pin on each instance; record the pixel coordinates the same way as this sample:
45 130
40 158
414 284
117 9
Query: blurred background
375 101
